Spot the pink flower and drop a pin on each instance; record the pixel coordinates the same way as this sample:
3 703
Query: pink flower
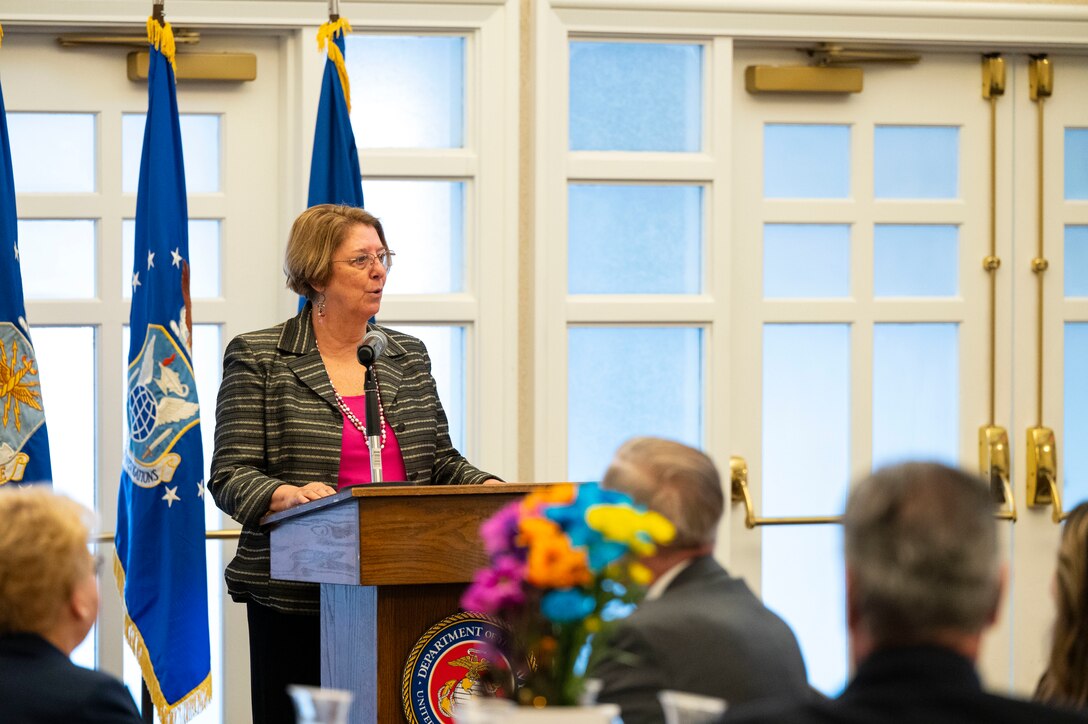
499 532
496 589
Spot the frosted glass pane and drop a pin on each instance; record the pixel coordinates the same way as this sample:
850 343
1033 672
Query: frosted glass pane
916 162
806 457
66 369
806 418
806 260
1076 163
424 223
915 260
1076 261
53 152
199 148
915 393
408 91
57 258
806 161
446 347
207 367
615 391
635 97
655 251
204 257
1074 451
804 582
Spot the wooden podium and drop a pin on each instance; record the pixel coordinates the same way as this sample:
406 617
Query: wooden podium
391 561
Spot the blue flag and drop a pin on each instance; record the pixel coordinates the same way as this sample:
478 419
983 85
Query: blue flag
334 167
24 442
161 563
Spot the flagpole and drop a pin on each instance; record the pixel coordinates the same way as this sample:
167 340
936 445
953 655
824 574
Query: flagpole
334 10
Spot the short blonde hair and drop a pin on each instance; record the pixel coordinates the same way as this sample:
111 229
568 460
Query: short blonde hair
43 556
678 481
315 236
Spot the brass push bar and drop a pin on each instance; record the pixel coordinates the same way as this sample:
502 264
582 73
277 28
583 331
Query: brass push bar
738 478
209 535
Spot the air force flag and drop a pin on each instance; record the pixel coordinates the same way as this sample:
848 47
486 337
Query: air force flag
161 565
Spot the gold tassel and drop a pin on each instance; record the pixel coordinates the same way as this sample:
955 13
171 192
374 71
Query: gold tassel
1 34
162 38
189 705
325 35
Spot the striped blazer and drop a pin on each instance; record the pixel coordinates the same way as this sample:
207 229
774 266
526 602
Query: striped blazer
276 422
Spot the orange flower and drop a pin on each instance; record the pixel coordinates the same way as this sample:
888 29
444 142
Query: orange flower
559 494
553 563
534 529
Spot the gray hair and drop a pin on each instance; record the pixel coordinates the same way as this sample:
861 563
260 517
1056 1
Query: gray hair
921 547
679 482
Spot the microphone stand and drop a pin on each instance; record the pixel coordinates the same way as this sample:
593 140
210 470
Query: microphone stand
373 424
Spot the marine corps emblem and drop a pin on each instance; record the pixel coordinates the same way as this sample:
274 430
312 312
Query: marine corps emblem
162 406
450 662
21 412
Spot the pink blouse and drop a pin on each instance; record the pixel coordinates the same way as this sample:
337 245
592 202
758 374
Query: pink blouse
355 455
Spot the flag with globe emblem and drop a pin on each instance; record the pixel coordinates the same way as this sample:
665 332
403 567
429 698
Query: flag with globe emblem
24 442
161 563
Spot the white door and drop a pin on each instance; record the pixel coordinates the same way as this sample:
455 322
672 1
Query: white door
861 317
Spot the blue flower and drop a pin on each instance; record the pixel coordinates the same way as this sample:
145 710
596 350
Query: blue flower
572 519
566 605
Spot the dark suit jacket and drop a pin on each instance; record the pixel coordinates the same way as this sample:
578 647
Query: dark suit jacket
916 685
277 422
707 634
39 685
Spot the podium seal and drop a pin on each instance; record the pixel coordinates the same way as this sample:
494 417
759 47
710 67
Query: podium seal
450 662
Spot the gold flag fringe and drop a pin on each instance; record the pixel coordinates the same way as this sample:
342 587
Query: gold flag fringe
325 34
162 37
189 705
1 34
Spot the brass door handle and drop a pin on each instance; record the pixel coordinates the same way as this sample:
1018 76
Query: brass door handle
738 479
1043 472
993 454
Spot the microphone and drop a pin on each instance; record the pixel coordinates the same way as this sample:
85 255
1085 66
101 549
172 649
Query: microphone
374 343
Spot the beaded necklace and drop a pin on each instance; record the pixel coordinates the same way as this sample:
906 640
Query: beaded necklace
350 414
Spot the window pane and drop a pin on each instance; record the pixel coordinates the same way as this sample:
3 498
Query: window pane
635 97
806 161
1076 261
446 347
409 91
57 258
806 260
655 251
1074 452
608 402
199 147
1076 163
806 471
915 393
915 261
203 257
53 152
66 370
803 578
916 162
424 223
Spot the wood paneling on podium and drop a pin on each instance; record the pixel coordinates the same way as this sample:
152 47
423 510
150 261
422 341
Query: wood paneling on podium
391 561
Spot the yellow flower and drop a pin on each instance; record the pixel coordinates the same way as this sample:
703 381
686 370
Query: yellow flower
626 525
640 574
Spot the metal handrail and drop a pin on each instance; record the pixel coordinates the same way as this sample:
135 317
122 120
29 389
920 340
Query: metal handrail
228 534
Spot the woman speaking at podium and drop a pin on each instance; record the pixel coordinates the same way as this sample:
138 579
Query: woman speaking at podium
290 428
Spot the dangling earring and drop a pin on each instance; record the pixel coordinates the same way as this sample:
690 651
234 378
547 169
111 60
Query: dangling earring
321 305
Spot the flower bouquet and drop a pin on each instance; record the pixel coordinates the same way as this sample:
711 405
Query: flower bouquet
562 567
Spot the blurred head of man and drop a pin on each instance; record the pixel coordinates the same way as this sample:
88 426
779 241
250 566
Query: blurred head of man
677 481
922 562
47 574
